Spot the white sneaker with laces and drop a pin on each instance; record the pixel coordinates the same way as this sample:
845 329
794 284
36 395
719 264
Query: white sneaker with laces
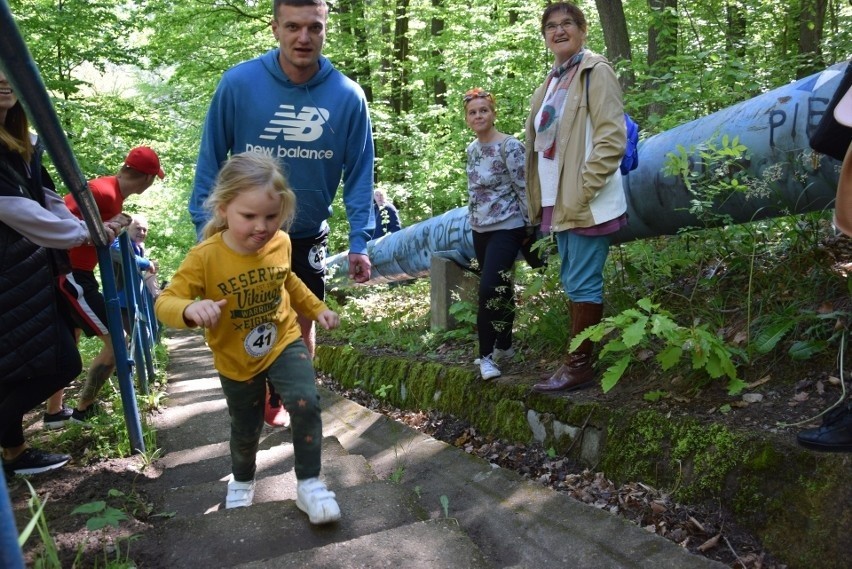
487 368
313 498
240 494
500 355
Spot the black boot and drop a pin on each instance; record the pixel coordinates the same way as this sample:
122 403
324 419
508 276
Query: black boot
834 435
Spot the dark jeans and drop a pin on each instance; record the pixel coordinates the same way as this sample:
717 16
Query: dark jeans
293 376
496 252
19 397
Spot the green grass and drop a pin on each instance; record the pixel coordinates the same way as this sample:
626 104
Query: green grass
768 290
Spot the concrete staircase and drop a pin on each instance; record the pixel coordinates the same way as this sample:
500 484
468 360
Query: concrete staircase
406 499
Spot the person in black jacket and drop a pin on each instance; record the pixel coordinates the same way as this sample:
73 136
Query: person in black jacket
387 216
835 433
38 354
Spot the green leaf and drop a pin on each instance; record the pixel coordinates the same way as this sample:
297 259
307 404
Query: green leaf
655 395
735 386
646 305
770 336
669 357
110 517
634 333
805 349
613 346
533 288
90 508
614 372
663 326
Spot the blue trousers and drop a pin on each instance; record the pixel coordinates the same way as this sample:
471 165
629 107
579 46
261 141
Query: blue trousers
583 259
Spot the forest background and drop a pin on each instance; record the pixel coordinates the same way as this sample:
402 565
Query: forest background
128 73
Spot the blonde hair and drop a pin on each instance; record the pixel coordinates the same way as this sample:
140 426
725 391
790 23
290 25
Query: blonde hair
15 134
245 172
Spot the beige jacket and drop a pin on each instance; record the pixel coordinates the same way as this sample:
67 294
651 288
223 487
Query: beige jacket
590 144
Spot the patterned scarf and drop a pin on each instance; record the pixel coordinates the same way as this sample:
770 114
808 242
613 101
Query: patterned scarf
551 110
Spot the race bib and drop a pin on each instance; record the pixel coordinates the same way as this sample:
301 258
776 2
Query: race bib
260 340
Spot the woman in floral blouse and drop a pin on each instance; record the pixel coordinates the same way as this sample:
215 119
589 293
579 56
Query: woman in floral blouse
499 220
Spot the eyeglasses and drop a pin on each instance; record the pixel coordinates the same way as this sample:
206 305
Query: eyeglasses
550 29
477 93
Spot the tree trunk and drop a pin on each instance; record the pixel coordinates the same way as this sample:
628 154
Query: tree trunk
616 37
735 40
662 43
439 86
400 98
811 22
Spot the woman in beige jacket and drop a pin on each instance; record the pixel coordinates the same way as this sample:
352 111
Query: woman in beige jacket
576 137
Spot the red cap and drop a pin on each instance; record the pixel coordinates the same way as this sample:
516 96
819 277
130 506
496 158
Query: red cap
144 160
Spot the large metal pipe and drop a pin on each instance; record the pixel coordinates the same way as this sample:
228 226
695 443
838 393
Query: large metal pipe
774 127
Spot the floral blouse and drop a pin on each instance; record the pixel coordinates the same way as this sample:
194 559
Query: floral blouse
496 188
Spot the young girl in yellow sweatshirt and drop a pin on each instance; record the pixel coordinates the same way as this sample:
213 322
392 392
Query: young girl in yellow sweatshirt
237 285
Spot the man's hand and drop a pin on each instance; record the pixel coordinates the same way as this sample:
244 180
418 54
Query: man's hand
328 319
122 219
359 267
204 313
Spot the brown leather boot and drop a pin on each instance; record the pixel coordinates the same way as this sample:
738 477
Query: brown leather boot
577 372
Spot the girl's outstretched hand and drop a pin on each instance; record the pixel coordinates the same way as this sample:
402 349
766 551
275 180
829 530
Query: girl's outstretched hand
204 313
328 319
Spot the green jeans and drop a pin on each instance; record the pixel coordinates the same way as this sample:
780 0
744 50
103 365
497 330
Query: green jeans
292 375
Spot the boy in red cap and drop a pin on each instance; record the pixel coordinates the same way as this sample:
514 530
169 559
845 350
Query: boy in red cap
137 174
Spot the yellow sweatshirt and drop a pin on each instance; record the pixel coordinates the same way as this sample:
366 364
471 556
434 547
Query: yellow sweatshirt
263 296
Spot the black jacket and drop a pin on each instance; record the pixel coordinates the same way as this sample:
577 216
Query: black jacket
30 319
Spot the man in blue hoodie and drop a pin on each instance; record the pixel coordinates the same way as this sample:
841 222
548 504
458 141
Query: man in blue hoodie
291 103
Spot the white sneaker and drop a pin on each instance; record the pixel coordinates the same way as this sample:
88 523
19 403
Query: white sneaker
487 368
240 494
313 498
500 355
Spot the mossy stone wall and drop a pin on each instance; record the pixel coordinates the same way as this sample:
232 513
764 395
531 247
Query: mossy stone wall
798 502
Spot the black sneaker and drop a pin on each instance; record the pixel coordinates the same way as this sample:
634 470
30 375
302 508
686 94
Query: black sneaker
834 435
59 419
83 417
35 461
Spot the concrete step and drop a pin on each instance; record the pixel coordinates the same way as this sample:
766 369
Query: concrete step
199 487
514 521
226 538
436 544
382 523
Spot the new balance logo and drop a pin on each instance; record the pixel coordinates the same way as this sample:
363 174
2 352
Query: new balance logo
304 126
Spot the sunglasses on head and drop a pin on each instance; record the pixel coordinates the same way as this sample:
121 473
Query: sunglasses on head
477 93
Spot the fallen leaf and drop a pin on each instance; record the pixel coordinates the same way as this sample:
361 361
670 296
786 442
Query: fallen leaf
710 543
825 308
760 381
657 507
697 524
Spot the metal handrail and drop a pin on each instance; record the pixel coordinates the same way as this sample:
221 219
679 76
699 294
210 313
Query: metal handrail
22 73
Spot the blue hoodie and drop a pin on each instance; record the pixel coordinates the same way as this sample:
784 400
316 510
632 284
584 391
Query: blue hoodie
319 130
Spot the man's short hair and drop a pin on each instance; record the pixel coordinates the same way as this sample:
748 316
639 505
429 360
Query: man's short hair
278 3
